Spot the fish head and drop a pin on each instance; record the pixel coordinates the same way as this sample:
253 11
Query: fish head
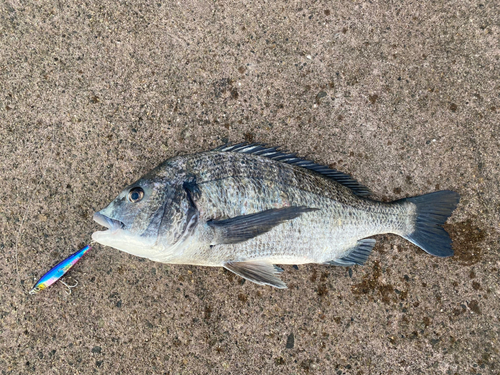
136 217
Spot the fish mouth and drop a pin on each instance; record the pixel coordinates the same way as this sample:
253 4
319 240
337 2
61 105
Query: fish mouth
112 224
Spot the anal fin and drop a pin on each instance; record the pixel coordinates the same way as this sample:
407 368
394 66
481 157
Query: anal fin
358 255
257 272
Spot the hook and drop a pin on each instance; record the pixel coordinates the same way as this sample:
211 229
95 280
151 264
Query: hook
69 286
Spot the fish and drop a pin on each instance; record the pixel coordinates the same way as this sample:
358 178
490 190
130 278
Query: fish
59 270
250 207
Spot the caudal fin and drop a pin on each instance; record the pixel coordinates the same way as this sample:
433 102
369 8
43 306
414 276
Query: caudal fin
432 211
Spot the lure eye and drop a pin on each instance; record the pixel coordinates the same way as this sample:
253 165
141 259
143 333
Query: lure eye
135 195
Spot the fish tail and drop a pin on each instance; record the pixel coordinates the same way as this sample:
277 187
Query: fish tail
432 211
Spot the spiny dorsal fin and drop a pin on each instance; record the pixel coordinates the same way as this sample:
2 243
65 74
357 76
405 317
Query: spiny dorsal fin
275 154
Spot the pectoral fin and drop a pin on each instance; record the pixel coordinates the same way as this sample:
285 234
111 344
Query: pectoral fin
242 228
257 272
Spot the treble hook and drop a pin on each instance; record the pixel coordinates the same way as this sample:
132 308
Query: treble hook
69 286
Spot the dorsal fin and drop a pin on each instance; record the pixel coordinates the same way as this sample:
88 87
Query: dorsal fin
275 154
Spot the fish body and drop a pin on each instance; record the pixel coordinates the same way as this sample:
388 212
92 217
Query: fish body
58 271
248 208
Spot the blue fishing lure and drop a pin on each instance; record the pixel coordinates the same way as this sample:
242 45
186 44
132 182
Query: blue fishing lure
58 271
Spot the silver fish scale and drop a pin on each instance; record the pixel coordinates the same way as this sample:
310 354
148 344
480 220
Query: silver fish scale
234 184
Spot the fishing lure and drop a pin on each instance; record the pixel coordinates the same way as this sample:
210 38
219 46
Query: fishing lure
58 271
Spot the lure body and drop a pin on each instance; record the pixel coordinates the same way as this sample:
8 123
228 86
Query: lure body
58 271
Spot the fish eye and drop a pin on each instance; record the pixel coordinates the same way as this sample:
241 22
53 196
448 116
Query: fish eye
135 194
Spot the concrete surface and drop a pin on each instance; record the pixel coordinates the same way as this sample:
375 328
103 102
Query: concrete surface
403 95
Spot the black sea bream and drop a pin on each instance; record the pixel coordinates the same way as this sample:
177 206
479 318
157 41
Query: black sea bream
247 208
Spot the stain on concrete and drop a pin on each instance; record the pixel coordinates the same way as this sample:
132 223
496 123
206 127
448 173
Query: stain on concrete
467 241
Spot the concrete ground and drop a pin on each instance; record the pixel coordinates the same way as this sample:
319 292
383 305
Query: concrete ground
405 96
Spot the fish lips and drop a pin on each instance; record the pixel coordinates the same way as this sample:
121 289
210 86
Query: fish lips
113 225
118 236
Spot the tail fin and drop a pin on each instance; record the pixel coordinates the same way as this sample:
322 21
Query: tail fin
432 211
